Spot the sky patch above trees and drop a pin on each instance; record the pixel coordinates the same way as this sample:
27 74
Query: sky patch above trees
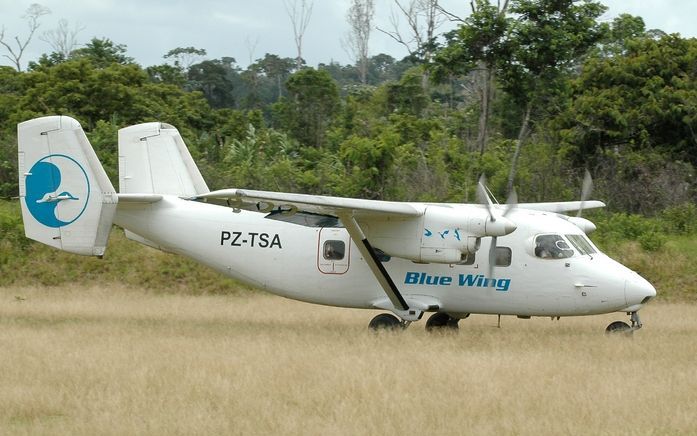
234 28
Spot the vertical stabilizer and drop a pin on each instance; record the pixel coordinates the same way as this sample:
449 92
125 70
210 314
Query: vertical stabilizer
67 199
153 159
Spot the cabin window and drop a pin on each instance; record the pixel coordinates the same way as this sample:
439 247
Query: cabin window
503 256
334 250
581 244
552 247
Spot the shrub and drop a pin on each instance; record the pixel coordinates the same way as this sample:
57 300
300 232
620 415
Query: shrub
652 241
681 219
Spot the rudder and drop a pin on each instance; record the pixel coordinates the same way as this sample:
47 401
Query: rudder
67 199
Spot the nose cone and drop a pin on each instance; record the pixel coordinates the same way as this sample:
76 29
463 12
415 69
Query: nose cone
500 227
638 290
510 226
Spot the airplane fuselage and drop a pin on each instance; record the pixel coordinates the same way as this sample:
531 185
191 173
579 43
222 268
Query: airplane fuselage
296 261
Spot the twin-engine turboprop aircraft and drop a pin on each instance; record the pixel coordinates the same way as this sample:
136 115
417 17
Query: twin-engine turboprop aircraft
405 258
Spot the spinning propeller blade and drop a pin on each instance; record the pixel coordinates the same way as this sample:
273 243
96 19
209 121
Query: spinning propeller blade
492 257
511 202
504 226
484 198
586 190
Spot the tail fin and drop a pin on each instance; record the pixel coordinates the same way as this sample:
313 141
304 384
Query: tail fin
153 159
67 199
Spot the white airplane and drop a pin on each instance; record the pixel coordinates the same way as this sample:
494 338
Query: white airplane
405 258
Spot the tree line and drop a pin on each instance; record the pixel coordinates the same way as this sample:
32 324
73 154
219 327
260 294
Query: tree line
530 93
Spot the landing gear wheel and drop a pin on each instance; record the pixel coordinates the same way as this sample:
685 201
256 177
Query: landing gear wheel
385 321
618 327
440 321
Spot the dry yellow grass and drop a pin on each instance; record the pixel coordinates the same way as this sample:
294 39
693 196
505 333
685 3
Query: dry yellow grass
120 361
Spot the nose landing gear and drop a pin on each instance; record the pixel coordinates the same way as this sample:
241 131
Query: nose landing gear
623 327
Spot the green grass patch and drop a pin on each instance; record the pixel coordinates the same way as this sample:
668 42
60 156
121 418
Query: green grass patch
27 263
645 245
670 269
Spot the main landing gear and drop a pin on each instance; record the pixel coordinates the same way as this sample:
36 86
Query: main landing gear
387 321
439 321
622 327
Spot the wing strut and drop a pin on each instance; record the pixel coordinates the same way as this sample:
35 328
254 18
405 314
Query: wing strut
374 263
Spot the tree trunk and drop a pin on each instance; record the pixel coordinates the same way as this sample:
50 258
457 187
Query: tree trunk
486 97
425 80
522 136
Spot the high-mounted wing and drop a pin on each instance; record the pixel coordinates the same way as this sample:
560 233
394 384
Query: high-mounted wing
266 201
562 206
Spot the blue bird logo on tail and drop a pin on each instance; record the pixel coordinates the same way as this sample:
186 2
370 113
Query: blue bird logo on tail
53 180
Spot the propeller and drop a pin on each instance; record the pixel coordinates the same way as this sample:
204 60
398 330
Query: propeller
587 226
586 190
496 225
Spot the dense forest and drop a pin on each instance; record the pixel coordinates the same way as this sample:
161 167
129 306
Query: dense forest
536 93
531 94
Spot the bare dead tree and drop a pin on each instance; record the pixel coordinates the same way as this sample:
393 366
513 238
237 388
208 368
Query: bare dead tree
299 12
423 19
451 16
63 39
185 57
487 79
251 48
483 75
32 15
359 17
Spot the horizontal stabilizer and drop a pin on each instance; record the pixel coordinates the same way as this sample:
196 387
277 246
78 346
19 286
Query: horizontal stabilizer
139 198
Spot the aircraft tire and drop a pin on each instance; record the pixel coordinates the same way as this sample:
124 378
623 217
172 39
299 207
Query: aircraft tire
385 321
441 320
618 327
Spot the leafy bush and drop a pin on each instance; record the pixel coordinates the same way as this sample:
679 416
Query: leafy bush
682 219
623 226
11 228
652 241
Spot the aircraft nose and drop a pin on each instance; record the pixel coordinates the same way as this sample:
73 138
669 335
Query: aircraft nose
638 290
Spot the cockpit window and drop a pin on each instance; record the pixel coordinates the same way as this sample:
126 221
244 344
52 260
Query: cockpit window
581 244
552 247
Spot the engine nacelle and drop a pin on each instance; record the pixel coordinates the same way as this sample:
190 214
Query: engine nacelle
443 234
587 226
449 255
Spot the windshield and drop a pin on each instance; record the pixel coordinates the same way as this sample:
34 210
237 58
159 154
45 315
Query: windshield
581 244
552 247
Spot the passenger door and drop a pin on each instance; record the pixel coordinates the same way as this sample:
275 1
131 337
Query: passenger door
333 250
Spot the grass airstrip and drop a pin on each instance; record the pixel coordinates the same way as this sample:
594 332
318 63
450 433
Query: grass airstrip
115 360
